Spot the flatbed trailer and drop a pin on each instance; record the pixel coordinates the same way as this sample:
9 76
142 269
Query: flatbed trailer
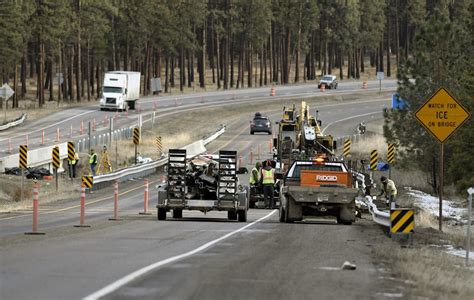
180 193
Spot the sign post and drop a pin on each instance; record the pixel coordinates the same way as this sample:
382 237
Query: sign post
469 224
5 92
56 163
380 77
136 140
23 164
442 115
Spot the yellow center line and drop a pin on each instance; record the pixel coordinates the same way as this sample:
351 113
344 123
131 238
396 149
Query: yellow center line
76 206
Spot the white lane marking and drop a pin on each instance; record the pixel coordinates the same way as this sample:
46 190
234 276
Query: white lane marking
130 277
348 118
49 126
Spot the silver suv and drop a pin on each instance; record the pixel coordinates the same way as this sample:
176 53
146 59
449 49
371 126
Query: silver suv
329 80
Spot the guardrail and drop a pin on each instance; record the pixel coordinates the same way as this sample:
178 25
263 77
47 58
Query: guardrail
148 168
380 217
14 123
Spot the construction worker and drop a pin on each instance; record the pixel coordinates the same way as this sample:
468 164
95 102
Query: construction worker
73 164
254 178
390 191
268 180
93 161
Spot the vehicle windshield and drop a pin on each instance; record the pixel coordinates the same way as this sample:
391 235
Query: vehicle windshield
112 89
260 120
295 171
327 78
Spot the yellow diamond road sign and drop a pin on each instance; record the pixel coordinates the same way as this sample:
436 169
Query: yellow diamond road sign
441 115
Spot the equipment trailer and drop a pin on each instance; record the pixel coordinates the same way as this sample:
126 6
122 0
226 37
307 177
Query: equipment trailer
205 188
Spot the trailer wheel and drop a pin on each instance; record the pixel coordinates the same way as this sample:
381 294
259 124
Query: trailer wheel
161 214
177 213
232 215
242 214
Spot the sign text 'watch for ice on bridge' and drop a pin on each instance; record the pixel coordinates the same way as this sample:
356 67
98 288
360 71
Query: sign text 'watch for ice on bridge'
441 115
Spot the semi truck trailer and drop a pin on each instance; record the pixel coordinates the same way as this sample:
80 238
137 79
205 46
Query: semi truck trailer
121 90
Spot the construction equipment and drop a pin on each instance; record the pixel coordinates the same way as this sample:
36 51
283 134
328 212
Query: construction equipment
318 188
300 137
203 184
104 163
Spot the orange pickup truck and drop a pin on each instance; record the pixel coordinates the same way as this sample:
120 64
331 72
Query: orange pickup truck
318 188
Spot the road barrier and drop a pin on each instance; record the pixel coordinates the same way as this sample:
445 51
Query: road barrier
14 123
115 218
83 208
145 199
35 209
379 217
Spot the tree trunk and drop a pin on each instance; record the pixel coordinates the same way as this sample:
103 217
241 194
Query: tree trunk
167 62
15 88
41 76
23 75
381 68
218 63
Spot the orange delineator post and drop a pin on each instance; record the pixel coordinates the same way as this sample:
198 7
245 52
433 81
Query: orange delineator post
115 218
259 150
93 124
82 127
83 208
364 85
272 91
35 209
145 200
323 87
42 137
270 146
240 161
57 134
9 145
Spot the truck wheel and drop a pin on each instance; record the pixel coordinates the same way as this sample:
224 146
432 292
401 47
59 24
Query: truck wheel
232 215
242 214
251 132
345 216
161 214
282 214
177 213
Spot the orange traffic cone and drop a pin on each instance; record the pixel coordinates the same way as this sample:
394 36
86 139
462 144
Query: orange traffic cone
272 91
323 87
364 85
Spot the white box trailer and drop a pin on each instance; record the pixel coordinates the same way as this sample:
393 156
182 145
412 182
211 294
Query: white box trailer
121 90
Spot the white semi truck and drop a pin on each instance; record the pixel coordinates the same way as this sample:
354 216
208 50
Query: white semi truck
121 90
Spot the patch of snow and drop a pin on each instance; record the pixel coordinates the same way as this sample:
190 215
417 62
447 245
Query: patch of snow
458 252
431 204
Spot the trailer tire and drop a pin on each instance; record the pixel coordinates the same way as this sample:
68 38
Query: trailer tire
161 214
242 215
232 215
177 213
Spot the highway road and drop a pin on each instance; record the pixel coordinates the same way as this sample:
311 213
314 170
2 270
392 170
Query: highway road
199 257
72 124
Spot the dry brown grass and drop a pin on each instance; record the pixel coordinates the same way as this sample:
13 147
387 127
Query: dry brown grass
436 275
11 187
